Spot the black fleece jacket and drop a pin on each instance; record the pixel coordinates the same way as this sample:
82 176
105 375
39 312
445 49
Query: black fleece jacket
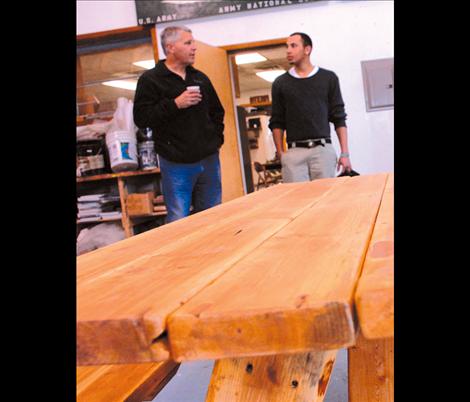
304 107
181 135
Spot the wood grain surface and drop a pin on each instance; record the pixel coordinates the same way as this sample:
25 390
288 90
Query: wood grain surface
294 292
102 262
213 61
295 377
112 257
125 382
371 370
375 291
126 292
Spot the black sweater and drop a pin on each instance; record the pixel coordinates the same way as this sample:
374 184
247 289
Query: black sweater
181 135
305 106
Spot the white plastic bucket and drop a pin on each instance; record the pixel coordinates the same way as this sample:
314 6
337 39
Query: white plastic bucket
122 149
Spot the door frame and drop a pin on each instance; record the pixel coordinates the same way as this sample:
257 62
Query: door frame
231 50
250 45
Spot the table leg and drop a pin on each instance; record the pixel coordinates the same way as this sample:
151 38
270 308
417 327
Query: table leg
370 370
126 221
294 377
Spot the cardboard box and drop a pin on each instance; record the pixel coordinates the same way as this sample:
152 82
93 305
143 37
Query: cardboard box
140 204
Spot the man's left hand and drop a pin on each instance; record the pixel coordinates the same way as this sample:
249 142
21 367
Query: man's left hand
345 164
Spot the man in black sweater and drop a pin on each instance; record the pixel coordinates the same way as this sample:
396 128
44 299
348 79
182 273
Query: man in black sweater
304 102
183 110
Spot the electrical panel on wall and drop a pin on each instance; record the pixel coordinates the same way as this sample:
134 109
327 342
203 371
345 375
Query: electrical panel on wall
378 84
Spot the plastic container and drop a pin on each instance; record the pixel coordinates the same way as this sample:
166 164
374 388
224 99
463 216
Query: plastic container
91 157
145 134
147 155
122 148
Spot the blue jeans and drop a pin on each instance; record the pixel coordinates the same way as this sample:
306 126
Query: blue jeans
185 183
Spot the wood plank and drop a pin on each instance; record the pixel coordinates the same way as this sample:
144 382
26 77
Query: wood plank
153 386
126 222
127 251
120 33
125 382
107 176
122 310
236 81
294 292
297 377
213 61
153 33
371 370
117 254
374 297
99 220
250 45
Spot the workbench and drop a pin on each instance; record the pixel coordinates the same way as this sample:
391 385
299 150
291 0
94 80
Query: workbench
264 284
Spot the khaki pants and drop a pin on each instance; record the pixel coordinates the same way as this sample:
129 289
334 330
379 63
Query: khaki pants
306 164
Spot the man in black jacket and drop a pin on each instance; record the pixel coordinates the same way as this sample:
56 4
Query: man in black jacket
305 100
183 110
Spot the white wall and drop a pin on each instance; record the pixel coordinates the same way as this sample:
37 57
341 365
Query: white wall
343 32
266 149
105 15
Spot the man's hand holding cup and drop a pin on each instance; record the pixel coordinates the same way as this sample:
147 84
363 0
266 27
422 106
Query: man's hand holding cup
192 96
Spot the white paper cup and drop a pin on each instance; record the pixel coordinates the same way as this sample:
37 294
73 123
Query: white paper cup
194 88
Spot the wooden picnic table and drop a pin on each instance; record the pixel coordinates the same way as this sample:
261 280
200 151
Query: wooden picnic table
264 284
371 360
123 382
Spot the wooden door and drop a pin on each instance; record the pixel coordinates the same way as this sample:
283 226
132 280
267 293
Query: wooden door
213 62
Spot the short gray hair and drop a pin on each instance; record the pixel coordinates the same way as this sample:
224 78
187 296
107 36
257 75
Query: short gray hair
171 35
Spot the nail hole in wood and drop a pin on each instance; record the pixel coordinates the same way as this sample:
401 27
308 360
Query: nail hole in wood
249 368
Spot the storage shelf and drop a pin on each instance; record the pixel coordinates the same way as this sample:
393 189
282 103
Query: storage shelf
84 120
99 220
122 181
162 213
116 175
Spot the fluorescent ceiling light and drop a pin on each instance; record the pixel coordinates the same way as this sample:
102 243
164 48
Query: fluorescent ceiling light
270 75
124 84
148 64
249 58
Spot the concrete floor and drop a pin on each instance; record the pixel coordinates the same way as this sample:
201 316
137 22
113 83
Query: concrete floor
191 381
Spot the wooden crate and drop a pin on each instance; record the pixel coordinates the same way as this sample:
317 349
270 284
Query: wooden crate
140 204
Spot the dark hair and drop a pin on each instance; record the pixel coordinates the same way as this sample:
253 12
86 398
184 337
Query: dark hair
305 38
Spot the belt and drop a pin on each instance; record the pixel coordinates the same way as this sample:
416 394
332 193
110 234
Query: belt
308 143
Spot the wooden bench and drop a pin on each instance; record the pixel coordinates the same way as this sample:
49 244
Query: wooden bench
263 284
123 382
371 368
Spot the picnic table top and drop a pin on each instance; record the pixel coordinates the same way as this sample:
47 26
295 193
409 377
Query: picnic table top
272 272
